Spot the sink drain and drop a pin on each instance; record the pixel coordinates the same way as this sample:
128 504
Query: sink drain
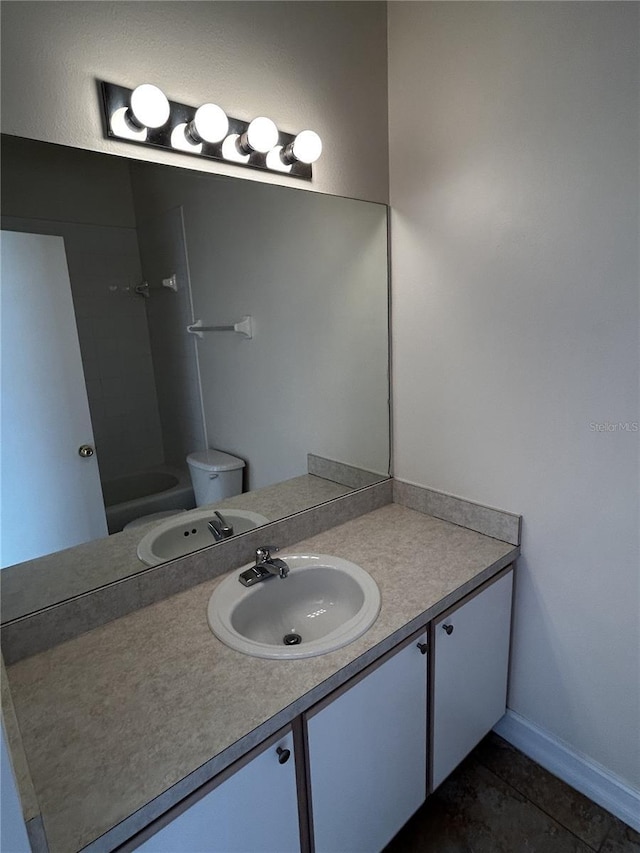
292 639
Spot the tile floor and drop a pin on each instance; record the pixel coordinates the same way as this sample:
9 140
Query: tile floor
499 801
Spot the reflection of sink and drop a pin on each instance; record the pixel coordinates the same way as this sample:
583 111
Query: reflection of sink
325 601
187 532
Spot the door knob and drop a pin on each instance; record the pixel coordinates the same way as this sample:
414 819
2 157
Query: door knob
85 450
283 755
448 628
423 648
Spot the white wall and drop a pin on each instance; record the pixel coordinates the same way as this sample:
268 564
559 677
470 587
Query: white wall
313 64
514 187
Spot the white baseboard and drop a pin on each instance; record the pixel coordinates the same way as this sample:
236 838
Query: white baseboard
575 769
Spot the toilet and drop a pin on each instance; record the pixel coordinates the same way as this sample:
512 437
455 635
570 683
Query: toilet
214 475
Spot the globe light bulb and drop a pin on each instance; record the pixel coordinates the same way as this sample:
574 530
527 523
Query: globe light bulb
149 106
261 135
210 124
231 149
307 146
122 126
182 140
276 162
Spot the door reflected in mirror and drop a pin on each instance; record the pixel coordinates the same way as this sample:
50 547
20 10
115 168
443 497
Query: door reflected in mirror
121 257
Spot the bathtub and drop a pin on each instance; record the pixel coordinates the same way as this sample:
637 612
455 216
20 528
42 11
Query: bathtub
161 488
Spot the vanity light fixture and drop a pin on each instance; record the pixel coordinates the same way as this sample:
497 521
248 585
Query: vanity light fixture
145 115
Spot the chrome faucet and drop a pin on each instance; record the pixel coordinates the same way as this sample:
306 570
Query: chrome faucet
272 564
266 566
220 528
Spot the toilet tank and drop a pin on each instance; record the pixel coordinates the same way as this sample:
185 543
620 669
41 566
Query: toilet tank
214 475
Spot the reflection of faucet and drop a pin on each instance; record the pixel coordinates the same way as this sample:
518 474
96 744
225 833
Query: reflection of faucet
266 566
220 528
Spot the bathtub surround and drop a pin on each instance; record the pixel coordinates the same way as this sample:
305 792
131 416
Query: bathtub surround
163 254
162 488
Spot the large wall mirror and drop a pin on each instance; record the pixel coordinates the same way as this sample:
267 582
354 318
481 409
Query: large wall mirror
106 262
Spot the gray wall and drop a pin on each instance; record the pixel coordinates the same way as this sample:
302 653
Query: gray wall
514 187
163 253
315 64
87 200
312 272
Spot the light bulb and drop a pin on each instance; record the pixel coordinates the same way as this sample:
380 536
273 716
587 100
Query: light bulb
122 126
149 106
210 124
261 135
182 140
231 149
307 146
276 162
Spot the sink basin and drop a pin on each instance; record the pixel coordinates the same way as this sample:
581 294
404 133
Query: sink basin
323 604
187 532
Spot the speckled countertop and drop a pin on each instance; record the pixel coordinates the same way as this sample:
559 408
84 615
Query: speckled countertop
39 583
123 721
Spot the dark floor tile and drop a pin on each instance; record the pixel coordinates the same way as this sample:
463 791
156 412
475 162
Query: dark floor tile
475 811
568 807
621 839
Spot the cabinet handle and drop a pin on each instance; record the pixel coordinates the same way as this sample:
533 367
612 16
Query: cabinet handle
283 755
423 648
448 628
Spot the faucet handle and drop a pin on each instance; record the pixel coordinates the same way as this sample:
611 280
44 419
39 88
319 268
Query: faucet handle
264 552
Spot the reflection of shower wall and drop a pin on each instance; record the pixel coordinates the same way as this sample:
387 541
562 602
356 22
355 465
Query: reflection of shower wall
104 268
87 200
114 341
173 350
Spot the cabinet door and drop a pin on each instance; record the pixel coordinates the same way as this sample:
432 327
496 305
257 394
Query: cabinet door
471 658
367 756
255 809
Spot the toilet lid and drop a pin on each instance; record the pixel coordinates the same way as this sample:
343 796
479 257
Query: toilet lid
214 460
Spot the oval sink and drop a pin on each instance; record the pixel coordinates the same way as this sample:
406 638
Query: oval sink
323 604
187 532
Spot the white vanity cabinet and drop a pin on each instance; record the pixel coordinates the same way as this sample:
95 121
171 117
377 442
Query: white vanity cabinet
367 752
254 808
470 649
360 765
